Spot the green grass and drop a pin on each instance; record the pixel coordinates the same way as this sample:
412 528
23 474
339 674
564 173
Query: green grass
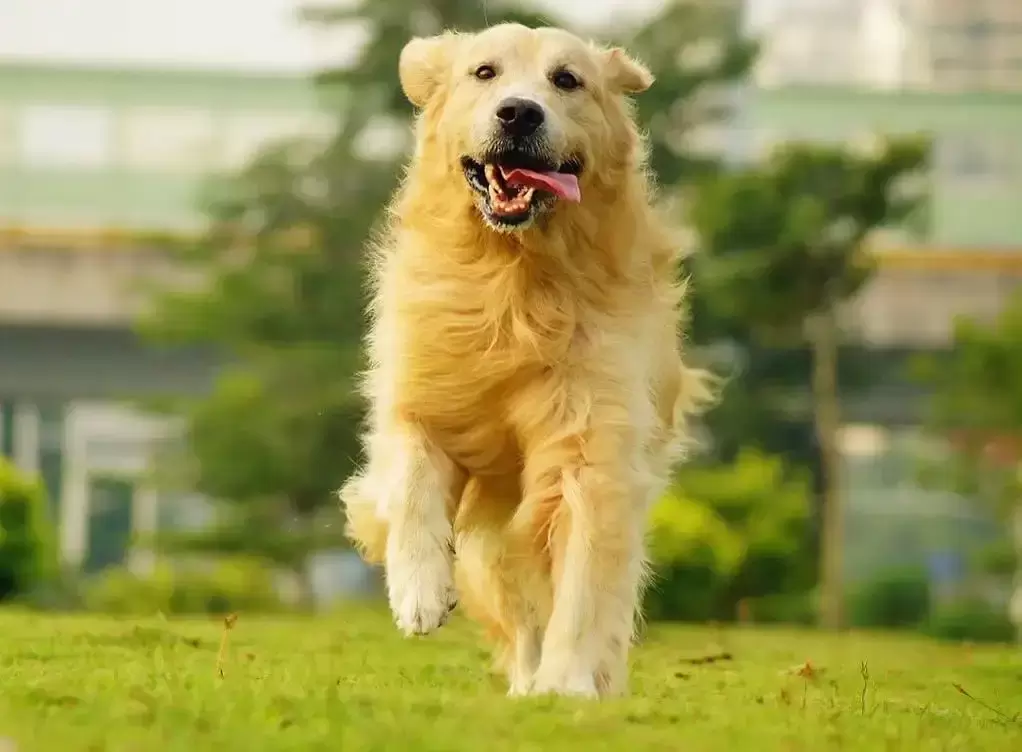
350 682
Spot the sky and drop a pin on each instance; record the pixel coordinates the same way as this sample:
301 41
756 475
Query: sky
204 33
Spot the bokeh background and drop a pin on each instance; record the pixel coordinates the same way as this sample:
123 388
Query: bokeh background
185 190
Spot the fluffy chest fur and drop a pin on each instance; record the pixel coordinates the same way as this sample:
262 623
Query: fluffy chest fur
473 333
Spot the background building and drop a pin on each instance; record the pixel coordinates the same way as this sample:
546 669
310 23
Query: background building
97 144
849 71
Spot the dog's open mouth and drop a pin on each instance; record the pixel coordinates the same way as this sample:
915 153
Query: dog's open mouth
512 190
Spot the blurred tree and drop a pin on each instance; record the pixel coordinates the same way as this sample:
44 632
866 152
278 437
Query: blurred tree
275 282
977 405
784 246
768 505
700 56
275 279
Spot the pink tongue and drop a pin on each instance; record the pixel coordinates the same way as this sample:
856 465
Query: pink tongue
558 183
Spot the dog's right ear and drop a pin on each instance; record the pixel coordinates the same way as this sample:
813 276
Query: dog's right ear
423 64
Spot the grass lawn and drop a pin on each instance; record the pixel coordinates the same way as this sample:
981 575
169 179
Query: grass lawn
350 682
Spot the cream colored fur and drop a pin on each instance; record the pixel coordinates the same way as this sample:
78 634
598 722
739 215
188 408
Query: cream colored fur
527 392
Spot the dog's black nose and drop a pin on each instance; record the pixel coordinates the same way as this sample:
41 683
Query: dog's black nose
519 117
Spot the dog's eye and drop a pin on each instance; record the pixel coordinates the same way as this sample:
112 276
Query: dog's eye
565 80
485 72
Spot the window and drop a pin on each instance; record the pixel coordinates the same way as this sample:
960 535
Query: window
167 139
977 45
979 159
66 136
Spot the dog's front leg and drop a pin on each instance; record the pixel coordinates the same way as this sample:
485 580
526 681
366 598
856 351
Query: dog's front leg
422 483
583 486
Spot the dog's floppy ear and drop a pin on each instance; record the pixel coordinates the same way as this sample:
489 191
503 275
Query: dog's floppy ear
423 64
625 75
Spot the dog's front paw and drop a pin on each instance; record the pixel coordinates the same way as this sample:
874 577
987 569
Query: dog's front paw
420 586
566 684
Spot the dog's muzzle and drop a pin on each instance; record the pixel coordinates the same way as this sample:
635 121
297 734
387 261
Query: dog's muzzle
517 176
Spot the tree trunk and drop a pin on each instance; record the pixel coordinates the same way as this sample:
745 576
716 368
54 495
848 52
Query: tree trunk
823 334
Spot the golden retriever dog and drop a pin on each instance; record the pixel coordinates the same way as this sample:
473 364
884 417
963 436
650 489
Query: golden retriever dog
527 393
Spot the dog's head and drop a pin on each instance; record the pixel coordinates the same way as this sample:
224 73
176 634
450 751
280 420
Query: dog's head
523 117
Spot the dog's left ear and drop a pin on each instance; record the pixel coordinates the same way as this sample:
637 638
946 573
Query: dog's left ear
423 64
625 75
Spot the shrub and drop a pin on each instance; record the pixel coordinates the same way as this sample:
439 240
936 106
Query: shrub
693 554
27 550
728 533
971 620
767 505
784 608
230 585
895 599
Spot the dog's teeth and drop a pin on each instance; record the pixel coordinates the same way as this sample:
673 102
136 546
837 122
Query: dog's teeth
491 178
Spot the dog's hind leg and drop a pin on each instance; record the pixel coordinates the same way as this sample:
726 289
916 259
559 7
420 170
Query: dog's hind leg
501 583
399 510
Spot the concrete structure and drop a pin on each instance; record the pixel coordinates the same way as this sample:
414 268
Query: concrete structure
115 149
888 45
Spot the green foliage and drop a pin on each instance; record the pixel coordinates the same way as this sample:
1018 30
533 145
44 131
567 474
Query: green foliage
895 599
238 585
767 504
281 299
295 449
728 533
997 559
257 530
977 404
695 50
280 264
980 386
786 239
971 621
976 410
685 530
693 554
784 243
784 608
27 542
